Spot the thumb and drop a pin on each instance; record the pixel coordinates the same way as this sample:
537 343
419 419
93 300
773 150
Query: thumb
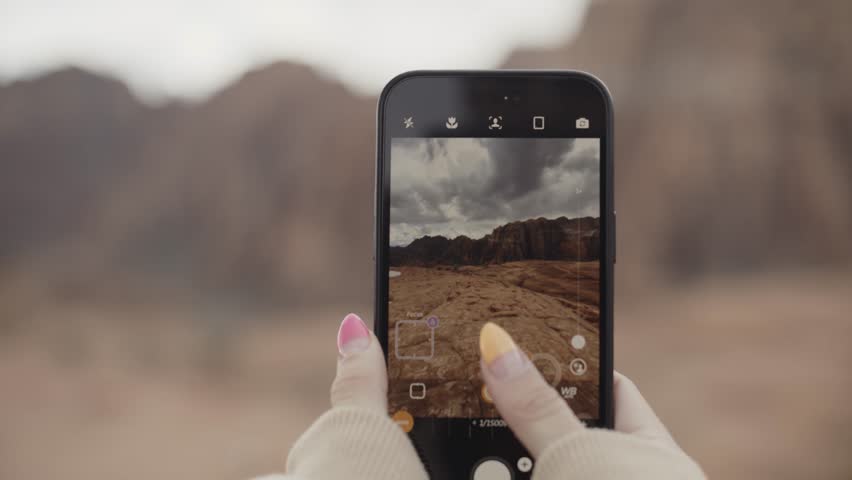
361 379
633 414
530 406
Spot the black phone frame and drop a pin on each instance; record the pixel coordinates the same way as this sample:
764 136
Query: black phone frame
606 417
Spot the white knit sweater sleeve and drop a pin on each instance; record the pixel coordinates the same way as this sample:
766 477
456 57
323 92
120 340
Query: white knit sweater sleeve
359 444
594 454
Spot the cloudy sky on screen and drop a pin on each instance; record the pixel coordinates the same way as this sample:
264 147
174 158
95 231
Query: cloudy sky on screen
468 186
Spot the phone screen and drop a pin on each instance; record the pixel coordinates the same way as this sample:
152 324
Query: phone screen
493 221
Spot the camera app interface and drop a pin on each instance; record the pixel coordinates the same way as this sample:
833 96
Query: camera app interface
505 230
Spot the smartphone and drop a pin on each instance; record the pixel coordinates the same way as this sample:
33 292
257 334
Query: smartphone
494 203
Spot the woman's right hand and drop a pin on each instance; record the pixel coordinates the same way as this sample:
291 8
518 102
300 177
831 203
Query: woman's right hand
545 424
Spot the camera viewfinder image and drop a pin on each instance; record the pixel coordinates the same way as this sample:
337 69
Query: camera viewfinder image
503 230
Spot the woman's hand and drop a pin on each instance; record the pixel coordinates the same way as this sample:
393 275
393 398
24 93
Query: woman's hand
536 412
357 440
361 379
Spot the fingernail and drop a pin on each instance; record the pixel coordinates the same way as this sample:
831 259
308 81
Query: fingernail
501 355
353 335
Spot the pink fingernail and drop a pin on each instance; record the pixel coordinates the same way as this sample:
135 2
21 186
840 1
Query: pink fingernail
353 335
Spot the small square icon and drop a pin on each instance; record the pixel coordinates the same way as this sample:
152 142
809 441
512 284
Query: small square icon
417 391
582 122
538 123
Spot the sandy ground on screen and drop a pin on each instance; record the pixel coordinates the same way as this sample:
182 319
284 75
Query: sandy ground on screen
543 304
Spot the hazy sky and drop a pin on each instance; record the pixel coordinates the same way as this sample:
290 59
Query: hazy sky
190 48
468 186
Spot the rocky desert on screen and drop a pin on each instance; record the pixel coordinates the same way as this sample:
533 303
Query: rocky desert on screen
505 230
538 278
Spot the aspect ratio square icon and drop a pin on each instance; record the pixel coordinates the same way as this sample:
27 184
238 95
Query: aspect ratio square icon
414 340
417 391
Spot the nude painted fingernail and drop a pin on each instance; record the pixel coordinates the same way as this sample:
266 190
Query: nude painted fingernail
353 336
500 353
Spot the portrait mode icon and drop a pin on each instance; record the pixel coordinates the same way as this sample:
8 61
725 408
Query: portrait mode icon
538 123
495 122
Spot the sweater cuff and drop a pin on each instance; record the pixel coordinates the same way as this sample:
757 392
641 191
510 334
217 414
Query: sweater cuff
604 454
354 443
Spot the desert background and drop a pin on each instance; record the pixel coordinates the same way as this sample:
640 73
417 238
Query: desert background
172 272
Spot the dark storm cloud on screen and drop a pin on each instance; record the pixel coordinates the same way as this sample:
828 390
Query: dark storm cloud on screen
520 163
468 186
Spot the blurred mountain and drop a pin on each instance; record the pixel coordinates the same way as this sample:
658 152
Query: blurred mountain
65 139
272 179
732 154
264 190
732 129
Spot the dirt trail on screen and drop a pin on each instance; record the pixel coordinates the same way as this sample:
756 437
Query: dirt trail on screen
543 304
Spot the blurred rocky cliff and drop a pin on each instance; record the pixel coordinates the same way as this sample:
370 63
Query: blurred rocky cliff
263 191
733 120
733 153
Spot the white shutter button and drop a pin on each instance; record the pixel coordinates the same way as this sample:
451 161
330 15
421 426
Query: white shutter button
492 468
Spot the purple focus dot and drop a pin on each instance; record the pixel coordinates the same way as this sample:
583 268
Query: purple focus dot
432 322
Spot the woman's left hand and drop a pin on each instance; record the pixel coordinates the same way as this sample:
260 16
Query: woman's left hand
361 379
356 439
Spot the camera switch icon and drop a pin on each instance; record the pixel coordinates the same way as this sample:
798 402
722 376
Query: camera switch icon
578 366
